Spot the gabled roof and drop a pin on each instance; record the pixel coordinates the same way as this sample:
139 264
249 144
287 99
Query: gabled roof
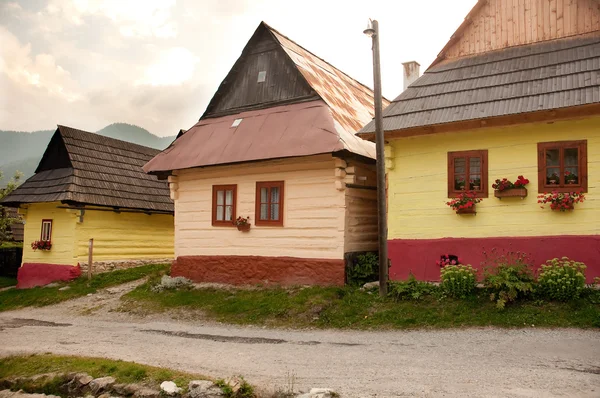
506 61
87 168
291 75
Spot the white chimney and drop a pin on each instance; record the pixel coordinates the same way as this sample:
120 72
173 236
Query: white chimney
411 72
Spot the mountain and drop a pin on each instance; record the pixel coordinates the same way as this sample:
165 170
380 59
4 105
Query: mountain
22 151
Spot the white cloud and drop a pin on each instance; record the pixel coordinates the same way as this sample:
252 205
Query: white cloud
173 67
39 72
134 18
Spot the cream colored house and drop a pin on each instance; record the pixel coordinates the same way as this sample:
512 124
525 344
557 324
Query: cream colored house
276 146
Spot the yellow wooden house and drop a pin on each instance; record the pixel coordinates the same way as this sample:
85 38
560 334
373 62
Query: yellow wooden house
91 187
515 92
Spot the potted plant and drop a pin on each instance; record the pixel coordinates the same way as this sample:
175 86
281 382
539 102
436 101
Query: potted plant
44 245
561 201
461 184
464 203
505 188
570 178
553 179
476 184
242 223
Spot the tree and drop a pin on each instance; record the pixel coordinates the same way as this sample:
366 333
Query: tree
5 220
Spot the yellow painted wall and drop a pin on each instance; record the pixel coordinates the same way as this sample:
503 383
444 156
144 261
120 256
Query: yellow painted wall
63 234
418 184
314 210
125 236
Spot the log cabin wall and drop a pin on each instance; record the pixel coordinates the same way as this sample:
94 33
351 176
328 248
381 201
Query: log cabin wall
497 24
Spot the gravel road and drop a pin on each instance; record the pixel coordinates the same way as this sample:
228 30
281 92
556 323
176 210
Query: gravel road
488 362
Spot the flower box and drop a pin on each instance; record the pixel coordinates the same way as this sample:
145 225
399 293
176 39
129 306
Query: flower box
243 227
511 193
468 210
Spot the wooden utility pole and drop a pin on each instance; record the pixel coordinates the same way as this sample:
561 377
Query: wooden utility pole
90 258
373 32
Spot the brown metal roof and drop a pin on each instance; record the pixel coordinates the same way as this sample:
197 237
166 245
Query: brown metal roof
537 77
300 129
302 106
92 169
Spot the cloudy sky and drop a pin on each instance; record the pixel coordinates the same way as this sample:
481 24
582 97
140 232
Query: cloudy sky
157 63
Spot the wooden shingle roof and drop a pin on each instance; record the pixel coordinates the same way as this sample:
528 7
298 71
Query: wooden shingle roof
86 168
537 77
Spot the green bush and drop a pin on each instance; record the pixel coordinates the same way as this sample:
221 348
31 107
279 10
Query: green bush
365 269
508 276
458 280
561 280
411 289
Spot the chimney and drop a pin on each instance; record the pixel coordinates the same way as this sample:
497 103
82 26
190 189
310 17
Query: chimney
411 72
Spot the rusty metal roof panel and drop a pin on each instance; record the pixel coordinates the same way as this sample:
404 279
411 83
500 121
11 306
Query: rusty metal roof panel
299 129
351 102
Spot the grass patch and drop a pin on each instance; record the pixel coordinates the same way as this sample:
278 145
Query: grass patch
346 307
5 245
122 371
41 296
6 282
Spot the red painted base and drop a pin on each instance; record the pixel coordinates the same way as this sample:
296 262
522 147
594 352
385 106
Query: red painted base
418 256
242 270
36 274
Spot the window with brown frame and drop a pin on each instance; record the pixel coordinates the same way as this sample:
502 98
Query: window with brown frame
46 235
562 166
269 203
468 170
223 205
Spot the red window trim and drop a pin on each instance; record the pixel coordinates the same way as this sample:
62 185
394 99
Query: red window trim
42 230
483 154
223 223
269 184
562 187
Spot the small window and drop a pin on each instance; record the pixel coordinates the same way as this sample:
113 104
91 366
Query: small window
223 205
46 235
262 75
562 166
269 203
468 171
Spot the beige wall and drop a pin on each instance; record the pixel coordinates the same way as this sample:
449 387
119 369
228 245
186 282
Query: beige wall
314 210
361 210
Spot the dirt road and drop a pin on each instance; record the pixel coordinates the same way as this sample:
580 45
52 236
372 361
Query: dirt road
455 363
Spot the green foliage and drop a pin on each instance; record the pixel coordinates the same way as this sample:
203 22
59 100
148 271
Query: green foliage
244 389
365 269
561 280
5 220
458 280
6 282
122 371
411 289
508 276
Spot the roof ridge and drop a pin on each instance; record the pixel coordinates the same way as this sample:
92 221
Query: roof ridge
398 99
115 140
313 54
487 54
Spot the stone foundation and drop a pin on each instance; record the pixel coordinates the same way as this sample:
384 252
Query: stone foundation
107 266
251 270
38 274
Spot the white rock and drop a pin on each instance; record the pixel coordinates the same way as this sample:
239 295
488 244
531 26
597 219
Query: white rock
371 285
64 288
170 388
321 393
